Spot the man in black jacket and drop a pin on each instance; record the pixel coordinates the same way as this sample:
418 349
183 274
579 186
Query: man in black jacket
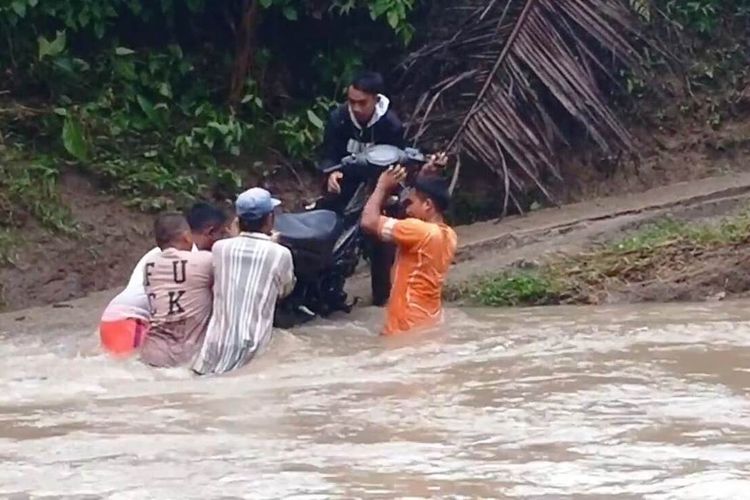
365 119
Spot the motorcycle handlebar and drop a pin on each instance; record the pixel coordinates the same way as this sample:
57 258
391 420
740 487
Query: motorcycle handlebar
332 168
367 169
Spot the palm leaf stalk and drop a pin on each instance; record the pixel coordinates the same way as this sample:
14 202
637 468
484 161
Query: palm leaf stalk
507 72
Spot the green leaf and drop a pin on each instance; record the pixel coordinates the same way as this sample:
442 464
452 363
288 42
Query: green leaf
165 89
393 19
124 51
290 13
148 109
126 69
266 3
19 6
61 111
72 135
53 48
99 29
64 63
81 65
83 18
33 3
314 119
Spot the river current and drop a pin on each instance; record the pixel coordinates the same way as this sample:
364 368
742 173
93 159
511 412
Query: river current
624 402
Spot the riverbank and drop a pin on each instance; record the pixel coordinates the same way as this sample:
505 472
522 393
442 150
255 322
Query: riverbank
685 241
693 250
668 260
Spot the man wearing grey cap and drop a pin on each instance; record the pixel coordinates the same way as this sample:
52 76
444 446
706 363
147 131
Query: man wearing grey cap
251 272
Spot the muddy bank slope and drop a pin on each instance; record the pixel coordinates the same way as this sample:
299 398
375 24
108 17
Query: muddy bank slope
523 242
692 247
556 235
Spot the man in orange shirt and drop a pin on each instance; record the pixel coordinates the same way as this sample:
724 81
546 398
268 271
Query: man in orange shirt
425 248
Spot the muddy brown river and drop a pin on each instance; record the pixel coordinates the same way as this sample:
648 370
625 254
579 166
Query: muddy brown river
639 402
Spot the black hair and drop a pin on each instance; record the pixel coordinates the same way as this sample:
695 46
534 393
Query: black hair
169 226
203 215
370 82
253 225
434 188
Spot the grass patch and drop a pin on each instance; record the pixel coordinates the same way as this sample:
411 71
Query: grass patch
665 231
655 252
29 190
28 193
516 288
8 243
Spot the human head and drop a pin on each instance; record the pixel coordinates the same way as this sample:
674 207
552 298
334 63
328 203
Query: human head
428 199
208 224
171 230
362 95
255 210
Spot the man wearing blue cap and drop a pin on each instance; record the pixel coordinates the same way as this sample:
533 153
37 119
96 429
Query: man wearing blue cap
251 273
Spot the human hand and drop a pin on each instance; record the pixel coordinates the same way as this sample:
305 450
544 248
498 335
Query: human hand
334 182
275 236
435 163
392 177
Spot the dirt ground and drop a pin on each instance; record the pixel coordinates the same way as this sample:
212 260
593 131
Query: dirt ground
48 269
53 269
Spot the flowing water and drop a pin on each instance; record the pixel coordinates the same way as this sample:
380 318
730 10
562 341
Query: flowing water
641 402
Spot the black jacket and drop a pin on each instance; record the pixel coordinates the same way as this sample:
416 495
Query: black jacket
340 130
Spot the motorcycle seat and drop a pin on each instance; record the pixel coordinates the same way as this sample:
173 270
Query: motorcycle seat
315 225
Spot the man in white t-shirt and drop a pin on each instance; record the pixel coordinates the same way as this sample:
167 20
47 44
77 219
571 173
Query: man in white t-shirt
125 321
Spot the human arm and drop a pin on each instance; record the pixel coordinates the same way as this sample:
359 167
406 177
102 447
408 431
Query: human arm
374 207
435 164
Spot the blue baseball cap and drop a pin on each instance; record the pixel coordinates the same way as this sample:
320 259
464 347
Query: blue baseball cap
255 203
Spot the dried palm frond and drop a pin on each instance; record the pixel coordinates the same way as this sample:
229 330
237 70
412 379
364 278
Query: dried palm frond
510 72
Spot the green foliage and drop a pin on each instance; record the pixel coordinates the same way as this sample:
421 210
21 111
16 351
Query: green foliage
30 189
709 38
393 12
704 17
302 132
698 15
515 288
396 13
666 231
655 249
128 104
8 243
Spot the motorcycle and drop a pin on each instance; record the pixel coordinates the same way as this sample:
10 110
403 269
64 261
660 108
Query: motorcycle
327 245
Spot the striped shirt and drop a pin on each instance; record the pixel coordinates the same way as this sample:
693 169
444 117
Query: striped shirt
251 273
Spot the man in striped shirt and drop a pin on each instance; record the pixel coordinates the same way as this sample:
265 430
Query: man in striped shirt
251 272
